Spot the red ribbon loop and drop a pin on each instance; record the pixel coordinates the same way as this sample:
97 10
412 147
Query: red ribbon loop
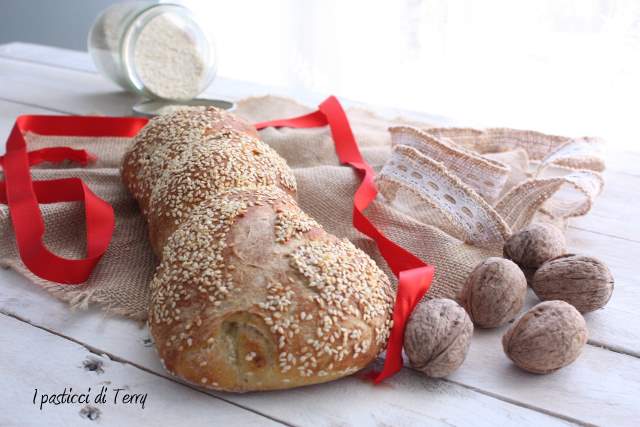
23 195
414 276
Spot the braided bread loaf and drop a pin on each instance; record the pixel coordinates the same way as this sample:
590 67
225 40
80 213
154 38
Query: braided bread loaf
251 293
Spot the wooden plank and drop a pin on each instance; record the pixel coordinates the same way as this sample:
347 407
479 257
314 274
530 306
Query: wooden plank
625 161
614 207
48 55
407 399
601 387
31 359
89 93
616 325
62 90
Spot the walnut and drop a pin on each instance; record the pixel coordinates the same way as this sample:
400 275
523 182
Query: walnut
584 282
494 292
535 244
546 338
437 337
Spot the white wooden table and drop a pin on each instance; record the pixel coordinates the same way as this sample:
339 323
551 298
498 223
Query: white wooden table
44 345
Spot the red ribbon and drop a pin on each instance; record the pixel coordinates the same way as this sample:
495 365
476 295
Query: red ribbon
23 195
414 276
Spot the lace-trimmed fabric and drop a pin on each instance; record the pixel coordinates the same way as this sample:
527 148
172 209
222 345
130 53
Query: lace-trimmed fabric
486 176
564 183
427 190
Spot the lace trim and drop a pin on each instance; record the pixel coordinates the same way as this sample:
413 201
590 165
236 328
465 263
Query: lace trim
424 188
486 176
433 179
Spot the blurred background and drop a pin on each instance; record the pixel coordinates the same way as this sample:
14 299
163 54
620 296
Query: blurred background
563 66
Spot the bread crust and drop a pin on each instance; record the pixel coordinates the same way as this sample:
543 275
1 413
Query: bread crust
251 293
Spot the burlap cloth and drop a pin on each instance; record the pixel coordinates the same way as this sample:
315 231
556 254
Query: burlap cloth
450 196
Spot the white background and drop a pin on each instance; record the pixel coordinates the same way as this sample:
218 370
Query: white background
564 66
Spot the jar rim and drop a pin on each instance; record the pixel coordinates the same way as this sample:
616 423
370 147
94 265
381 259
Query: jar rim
135 26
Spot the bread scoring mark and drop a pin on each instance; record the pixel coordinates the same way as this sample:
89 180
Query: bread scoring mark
248 343
193 264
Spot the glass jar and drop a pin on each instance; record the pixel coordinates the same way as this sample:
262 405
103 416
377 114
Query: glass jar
155 50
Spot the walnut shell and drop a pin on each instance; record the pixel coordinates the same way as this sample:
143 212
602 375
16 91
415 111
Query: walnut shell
546 338
494 292
437 337
535 244
584 282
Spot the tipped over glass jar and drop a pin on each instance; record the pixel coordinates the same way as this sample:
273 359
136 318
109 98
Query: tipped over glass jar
157 50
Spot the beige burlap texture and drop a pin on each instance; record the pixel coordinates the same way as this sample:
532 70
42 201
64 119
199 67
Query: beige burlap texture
450 196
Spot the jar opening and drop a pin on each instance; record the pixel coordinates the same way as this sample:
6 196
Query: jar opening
167 54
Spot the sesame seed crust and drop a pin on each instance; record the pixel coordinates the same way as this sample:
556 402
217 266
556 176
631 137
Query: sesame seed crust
218 163
164 138
250 293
